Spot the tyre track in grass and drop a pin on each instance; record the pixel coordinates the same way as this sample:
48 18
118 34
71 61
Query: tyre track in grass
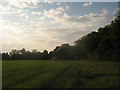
37 78
78 83
66 79
77 77
51 83
82 77
71 78
91 76
17 71
15 80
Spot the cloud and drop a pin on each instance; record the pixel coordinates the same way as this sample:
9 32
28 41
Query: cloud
78 22
8 10
48 1
104 12
16 35
5 10
67 7
56 14
50 28
13 13
36 13
24 16
23 4
115 11
19 4
87 4
58 3
69 28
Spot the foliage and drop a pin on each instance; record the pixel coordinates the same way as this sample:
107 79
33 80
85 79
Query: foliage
23 54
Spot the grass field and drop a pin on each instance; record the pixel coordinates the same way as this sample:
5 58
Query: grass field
60 74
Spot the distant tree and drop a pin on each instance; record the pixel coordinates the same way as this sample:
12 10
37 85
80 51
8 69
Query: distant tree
45 55
86 46
105 44
23 51
118 14
51 54
15 54
63 52
56 51
0 56
5 56
34 51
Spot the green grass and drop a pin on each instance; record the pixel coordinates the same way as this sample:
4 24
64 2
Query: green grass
60 74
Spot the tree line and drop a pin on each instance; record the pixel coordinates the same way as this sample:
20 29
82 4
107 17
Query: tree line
103 44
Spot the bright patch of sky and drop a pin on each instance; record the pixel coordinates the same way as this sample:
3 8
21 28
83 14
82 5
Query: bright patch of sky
38 25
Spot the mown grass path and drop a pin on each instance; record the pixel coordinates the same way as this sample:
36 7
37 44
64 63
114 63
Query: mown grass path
60 74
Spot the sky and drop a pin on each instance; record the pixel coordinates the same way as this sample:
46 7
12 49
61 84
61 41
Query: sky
45 25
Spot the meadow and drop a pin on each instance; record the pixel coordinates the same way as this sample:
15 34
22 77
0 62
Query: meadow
60 74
